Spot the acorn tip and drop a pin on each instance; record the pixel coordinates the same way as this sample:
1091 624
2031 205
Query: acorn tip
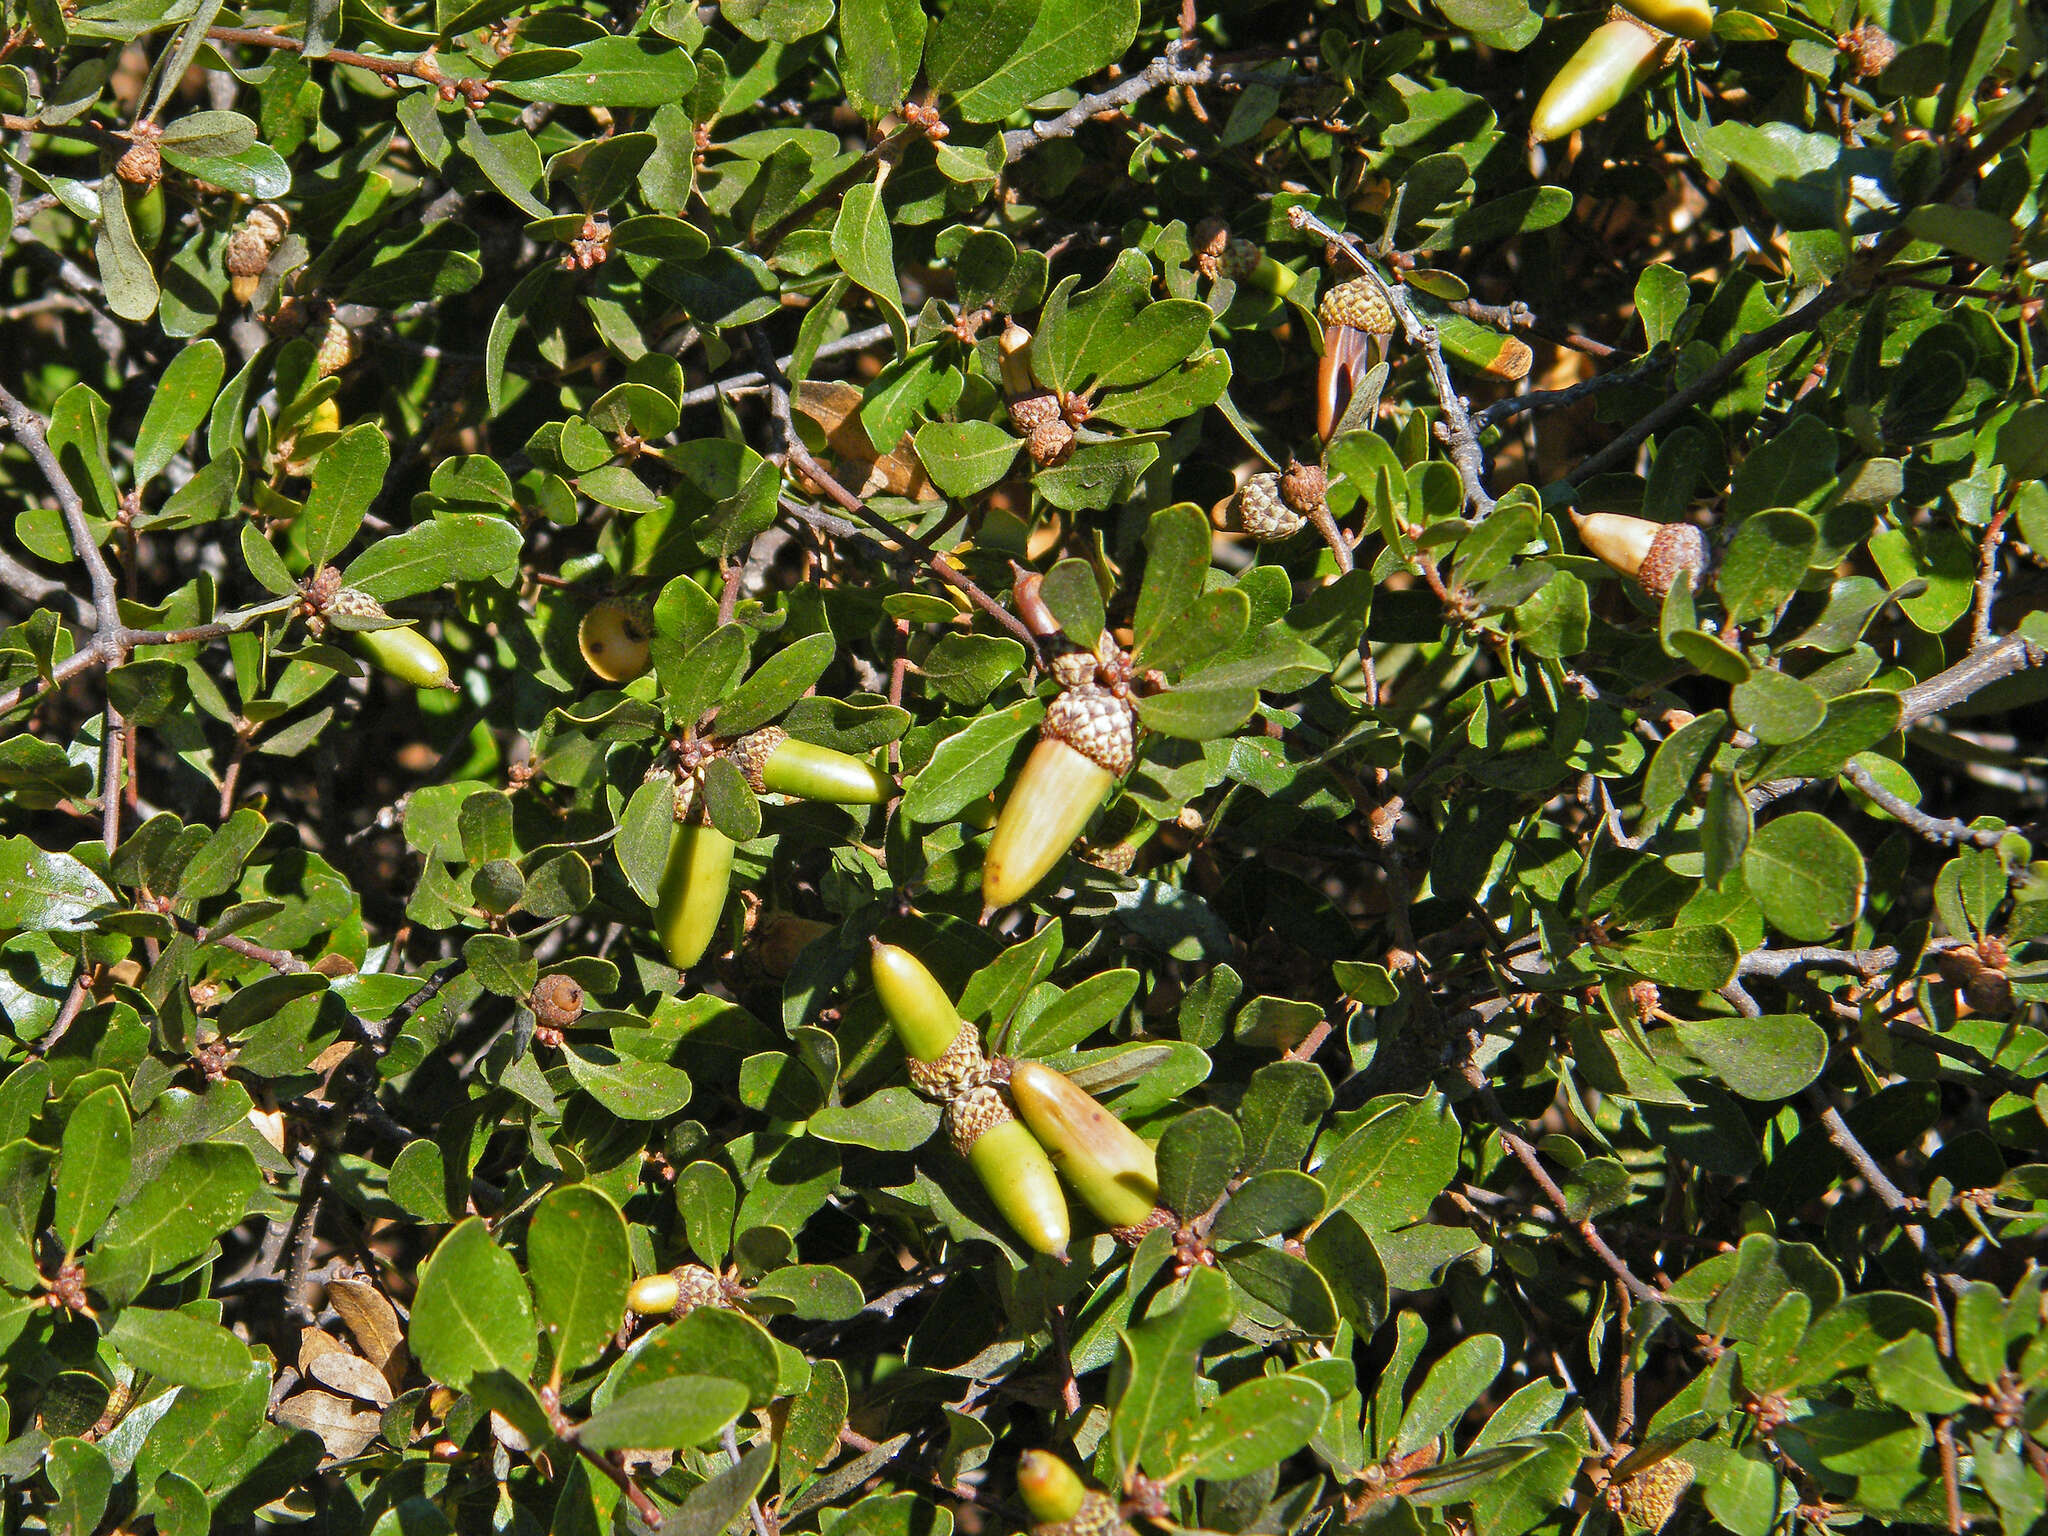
987 913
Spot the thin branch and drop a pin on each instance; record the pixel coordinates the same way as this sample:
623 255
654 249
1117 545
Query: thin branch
1549 399
1525 1154
1880 1182
1936 829
1182 64
1987 575
422 67
853 341
1780 962
30 433
1455 431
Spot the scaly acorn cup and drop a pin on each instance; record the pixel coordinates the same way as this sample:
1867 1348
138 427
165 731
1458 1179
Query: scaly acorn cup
944 1051
775 762
1060 1503
1087 743
1621 57
406 654
1103 1160
1650 554
1357 321
614 638
694 885
1690 19
1012 1167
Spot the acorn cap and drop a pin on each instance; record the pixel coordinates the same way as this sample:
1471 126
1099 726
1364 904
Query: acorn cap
1097 1516
1649 1498
973 1114
1652 553
1097 724
750 754
1074 669
557 1000
1360 304
1258 511
1031 411
1051 442
957 1071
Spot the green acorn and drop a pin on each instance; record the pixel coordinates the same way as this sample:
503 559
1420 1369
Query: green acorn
1103 1160
406 654
1087 743
1012 1167
694 885
1060 1503
775 762
1693 19
947 1063
1621 57
679 1291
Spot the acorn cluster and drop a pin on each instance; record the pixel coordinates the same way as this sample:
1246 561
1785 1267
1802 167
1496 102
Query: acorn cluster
1021 1126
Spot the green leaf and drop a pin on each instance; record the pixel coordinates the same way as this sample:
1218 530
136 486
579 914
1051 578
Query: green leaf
630 1087
1777 708
776 684
892 1119
1765 1059
1699 959
865 251
455 546
184 395
1854 723
1195 713
1213 624
965 458
1176 565
92 1164
704 674
1069 39
880 42
613 72
195 1195
576 1255
1152 1383
1253 1427
1764 564
1197 1155
1662 294
969 764
81 1479
966 669
1071 592
180 1347
1793 468
346 480
1806 874
472 1312
669 1415
45 892
1390 1160
1453 1385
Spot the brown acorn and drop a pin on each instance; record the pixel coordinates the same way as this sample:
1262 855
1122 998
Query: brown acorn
1051 442
1870 49
1305 488
1259 511
1651 554
557 1001
1649 1499
1087 743
338 348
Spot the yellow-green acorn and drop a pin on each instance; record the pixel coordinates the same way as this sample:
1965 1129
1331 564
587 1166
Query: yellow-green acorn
1649 553
1693 19
1087 743
1621 57
694 884
614 638
680 1290
947 1063
1012 1167
775 762
406 654
1103 1160
1060 1503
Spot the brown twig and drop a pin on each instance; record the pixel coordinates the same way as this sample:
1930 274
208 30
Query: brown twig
1879 1182
1936 829
1182 64
422 67
1987 575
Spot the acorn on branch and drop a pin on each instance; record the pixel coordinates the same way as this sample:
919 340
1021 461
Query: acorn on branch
1258 511
1087 743
1357 322
557 1001
1624 54
1061 1504
1650 554
695 880
614 637
1869 47
1648 1500
1104 1161
947 1064
677 1292
775 762
338 348
1689 19
1030 405
254 241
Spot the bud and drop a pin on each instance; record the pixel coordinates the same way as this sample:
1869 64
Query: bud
251 246
1652 554
1621 57
1087 742
1051 443
405 654
774 762
694 884
1258 512
1210 240
1012 1167
614 636
1103 1160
